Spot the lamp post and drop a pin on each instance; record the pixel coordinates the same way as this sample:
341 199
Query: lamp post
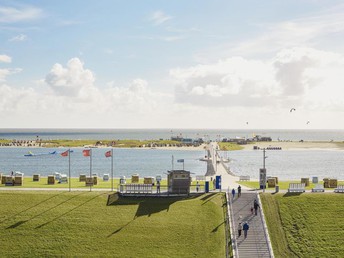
264 158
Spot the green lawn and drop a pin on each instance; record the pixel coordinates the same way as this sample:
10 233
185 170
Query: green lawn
75 224
306 225
283 185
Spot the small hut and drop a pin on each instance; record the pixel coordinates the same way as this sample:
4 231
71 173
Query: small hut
179 181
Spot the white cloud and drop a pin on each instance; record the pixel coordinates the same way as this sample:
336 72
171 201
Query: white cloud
25 13
74 80
7 71
296 76
159 17
5 59
20 37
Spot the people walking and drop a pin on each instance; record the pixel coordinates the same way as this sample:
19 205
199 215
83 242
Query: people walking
255 206
233 193
239 191
246 227
197 186
158 186
239 229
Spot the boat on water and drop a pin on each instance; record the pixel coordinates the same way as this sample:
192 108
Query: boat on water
31 154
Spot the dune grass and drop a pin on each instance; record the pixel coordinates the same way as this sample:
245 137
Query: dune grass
305 225
229 146
81 224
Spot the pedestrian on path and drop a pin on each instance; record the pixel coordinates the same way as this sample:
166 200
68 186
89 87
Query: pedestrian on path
255 206
239 191
239 229
158 186
246 227
197 187
233 193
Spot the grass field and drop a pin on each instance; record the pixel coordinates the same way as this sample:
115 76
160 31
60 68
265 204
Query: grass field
283 185
75 224
306 225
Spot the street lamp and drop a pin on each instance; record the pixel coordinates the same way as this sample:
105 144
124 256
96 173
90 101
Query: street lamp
264 158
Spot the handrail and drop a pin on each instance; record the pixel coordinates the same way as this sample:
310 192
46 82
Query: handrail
232 228
266 232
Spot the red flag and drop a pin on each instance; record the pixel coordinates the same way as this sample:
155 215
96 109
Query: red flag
64 154
86 153
108 154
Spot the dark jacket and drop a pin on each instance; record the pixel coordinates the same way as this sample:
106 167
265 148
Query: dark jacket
246 227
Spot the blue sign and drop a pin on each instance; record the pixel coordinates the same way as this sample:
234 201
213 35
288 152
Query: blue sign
218 182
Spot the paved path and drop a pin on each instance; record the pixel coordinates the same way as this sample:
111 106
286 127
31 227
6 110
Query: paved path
257 242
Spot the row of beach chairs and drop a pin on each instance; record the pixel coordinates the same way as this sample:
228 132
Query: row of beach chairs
300 188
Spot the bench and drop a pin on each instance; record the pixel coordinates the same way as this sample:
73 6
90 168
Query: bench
339 189
296 188
138 188
244 178
318 188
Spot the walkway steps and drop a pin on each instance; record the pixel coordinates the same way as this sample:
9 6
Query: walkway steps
256 243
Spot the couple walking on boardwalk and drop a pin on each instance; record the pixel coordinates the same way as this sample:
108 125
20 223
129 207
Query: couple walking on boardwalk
239 192
244 227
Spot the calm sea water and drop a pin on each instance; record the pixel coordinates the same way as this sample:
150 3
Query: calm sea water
149 134
145 162
150 162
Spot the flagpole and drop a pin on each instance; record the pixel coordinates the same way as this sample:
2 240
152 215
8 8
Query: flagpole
172 162
91 169
183 164
112 169
70 183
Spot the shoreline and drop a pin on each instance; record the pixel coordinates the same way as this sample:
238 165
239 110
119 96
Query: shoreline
302 146
283 145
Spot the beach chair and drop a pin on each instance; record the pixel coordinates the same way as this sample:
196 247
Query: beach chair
339 189
318 188
296 188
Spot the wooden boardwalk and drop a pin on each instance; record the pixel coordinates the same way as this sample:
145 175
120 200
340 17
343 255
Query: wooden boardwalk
256 244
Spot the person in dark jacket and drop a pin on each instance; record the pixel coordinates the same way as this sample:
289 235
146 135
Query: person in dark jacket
239 229
246 227
239 191
255 206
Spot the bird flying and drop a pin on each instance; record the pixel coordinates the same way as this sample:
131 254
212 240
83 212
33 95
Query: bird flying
293 109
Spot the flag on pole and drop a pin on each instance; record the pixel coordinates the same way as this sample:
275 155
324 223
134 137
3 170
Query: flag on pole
108 154
64 154
180 160
86 153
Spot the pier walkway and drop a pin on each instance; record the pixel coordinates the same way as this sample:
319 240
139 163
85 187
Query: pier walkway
257 243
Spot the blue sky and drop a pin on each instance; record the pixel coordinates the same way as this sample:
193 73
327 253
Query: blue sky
171 64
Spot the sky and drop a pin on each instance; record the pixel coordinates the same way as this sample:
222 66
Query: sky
219 64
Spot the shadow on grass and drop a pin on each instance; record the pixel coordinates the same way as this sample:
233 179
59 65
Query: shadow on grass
39 214
292 194
65 213
146 205
217 227
207 197
31 207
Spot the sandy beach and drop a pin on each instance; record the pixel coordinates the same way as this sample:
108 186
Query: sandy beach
298 145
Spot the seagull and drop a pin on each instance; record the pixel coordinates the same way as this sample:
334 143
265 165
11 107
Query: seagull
308 122
293 109
247 123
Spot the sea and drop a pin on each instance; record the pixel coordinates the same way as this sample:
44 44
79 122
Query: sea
291 164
